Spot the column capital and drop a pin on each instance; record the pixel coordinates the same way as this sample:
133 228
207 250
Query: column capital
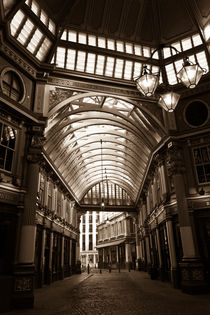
36 142
174 159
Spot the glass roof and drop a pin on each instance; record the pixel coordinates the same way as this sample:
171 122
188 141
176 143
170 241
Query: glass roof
94 138
107 57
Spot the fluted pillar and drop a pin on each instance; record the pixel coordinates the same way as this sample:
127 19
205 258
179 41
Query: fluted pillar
24 270
172 253
192 272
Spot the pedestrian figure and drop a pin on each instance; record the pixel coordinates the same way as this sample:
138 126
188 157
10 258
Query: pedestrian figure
88 268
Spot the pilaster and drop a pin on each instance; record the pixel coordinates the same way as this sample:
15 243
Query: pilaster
192 271
23 296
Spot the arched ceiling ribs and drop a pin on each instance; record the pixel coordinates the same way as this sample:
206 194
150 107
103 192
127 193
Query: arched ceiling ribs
89 135
121 149
117 137
57 108
96 189
86 122
131 164
95 170
118 182
117 176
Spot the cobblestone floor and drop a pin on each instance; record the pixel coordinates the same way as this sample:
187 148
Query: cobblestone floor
122 293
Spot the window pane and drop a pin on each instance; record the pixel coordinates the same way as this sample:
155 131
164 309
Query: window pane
120 46
129 48
44 18
118 68
72 36
186 43
70 62
35 7
82 38
43 49
90 67
51 26
128 70
101 42
60 56
196 40
137 50
109 66
172 79
64 35
100 65
80 61
110 44
91 40
16 21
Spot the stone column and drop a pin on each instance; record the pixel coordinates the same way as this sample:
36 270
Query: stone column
62 257
50 258
128 260
172 252
70 258
43 254
192 272
24 270
160 269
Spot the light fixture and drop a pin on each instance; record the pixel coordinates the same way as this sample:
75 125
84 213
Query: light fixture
169 100
102 180
189 75
147 82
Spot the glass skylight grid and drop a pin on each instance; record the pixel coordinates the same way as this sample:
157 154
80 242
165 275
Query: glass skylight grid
80 65
119 68
25 32
183 45
173 68
90 66
100 64
91 40
108 43
16 21
44 48
109 66
41 14
71 57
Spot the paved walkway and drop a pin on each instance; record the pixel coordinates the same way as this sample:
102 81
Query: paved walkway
122 293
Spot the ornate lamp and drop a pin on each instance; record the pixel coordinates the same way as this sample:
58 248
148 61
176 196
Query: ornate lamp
147 82
169 100
190 74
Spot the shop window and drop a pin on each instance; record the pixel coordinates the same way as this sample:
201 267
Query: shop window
90 228
83 242
12 85
202 163
90 242
7 146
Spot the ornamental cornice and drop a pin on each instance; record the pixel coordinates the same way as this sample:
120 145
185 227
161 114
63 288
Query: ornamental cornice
85 86
17 59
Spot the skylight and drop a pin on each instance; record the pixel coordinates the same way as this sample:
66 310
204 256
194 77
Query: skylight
41 14
29 35
108 43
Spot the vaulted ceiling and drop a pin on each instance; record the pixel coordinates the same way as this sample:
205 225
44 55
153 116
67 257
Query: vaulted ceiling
94 137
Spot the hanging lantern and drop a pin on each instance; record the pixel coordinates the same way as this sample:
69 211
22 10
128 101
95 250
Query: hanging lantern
190 74
147 82
169 100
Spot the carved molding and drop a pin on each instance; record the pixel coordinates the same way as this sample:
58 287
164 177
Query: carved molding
17 59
